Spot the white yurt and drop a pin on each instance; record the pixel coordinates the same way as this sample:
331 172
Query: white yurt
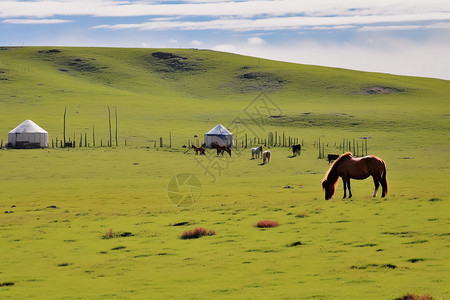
28 135
219 134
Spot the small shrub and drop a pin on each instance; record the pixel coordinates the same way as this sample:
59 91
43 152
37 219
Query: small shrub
109 234
411 296
267 224
196 233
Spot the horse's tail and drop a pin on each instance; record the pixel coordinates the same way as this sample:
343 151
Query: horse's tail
384 183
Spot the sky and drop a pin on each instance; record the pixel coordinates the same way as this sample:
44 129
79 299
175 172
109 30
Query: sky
403 37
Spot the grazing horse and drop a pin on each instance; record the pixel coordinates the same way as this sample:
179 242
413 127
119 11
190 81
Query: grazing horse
296 149
220 149
199 149
332 157
256 152
346 167
266 156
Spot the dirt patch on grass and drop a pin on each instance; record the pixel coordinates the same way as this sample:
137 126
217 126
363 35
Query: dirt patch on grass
380 90
248 81
7 284
167 62
50 51
71 63
84 65
3 74
314 120
377 266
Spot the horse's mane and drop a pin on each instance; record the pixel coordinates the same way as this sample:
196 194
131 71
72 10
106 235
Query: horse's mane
336 163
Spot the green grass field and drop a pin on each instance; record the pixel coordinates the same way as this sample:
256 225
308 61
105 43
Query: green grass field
62 202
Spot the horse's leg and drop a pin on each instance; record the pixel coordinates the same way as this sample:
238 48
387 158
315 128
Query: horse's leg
345 188
377 185
349 189
384 184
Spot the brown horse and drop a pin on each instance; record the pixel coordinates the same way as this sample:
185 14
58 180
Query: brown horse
220 149
199 149
346 167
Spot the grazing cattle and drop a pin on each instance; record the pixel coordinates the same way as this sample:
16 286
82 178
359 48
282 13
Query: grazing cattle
220 149
296 149
256 152
332 157
199 149
266 156
346 167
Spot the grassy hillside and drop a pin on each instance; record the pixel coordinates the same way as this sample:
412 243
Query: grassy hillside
57 205
192 90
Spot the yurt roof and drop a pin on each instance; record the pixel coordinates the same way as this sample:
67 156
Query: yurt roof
219 129
28 126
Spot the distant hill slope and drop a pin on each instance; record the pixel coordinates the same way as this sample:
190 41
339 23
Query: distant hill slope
166 89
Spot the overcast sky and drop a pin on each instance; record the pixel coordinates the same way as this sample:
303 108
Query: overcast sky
406 37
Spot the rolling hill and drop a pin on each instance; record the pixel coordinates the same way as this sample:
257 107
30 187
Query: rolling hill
192 90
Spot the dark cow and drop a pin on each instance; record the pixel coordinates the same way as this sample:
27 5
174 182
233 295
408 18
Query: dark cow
296 149
332 157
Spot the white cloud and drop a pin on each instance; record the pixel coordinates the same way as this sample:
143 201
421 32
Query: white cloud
256 41
318 8
196 43
225 48
405 27
35 21
281 23
382 54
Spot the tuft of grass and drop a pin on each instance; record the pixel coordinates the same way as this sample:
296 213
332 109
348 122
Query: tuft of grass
302 215
267 224
196 233
110 234
64 264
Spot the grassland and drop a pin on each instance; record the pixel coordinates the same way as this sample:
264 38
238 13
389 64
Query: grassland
62 202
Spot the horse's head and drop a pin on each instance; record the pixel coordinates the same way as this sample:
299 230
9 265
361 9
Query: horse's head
329 188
